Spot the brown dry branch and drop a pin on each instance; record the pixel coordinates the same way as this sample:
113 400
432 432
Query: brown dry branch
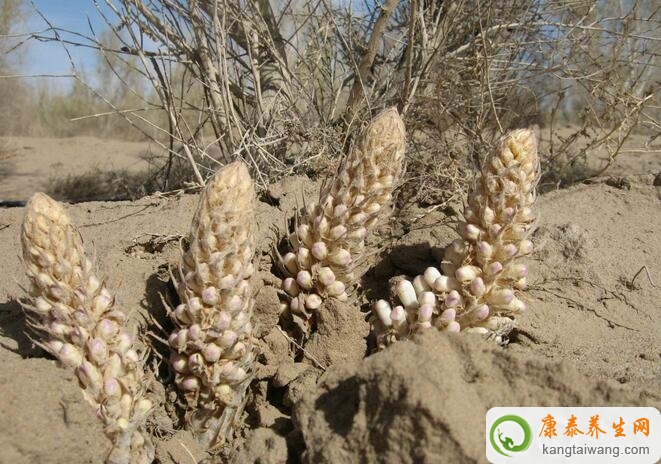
277 84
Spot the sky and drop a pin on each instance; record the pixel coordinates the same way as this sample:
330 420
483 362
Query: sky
51 58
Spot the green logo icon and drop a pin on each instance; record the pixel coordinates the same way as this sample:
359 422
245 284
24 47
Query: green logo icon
506 443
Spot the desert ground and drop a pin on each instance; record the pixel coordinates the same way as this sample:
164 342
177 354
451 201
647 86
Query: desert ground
591 335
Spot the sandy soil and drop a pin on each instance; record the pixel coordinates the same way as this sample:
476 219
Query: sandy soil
591 336
36 160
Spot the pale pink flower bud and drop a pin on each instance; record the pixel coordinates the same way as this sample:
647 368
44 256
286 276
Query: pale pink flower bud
445 284
225 283
319 250
518 270
326 276
488 216
447 316
477 287
89 375
471 232
382 310
526 215
304 234
518 232
525 247
508 213
58 329
179 363
143 406
484 250
358 218
453 299
290 286
181 314
237 375
500 296
339 210
228 339
509 251
304 279
398 316
453 327
70 356
195 362
102 301
358 234
43 280
98 350
321 224
42 306
336 290
93 284
210 296
481 312
420 285
131 356
313 301
425 313
190 383
427 298
54 346
212 352
340 256
515 306
234 304
195 332
494 230
477 330
521 284
290 263
112 388
406 294
430 275
238 350
195 306
494 268
239 321
180 339
506 156
467 273
295 304
337 232
82 318
223 321
303 258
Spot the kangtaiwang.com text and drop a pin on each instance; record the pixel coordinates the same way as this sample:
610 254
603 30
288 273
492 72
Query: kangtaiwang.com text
573 450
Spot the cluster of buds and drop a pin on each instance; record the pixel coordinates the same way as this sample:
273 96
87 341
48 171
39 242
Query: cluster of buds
328 239
73 315
212 345
477 288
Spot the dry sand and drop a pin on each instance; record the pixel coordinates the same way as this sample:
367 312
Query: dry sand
591 336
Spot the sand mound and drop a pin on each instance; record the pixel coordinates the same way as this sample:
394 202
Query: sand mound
590 337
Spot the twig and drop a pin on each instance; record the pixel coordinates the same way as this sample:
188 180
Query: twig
647 272
305 352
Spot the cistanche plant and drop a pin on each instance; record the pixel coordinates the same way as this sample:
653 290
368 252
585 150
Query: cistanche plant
327 241
478 286
212 345
73 315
